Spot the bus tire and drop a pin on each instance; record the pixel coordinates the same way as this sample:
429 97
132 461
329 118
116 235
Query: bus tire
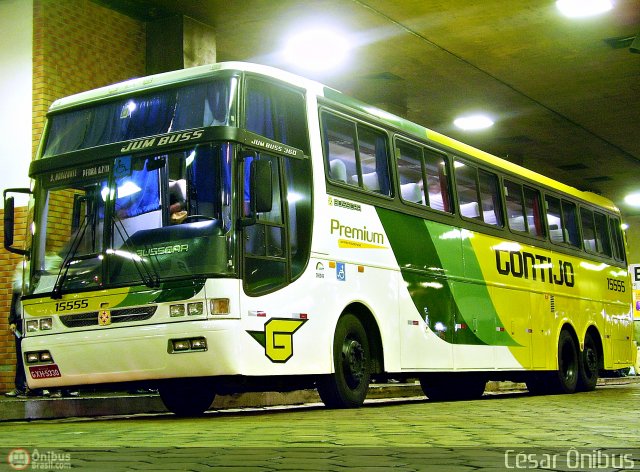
589 365
453 386
187 397
538 383
565 379
348 386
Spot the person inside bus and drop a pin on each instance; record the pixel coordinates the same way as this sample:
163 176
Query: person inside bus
177 201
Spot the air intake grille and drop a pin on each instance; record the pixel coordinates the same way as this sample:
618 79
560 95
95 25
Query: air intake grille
124 315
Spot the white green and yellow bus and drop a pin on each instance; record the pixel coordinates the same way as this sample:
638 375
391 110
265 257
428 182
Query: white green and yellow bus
234 227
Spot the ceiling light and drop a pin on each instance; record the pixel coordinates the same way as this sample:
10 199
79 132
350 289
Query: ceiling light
317 49
583 8
473 122
633 199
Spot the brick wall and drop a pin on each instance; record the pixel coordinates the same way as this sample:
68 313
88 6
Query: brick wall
77 45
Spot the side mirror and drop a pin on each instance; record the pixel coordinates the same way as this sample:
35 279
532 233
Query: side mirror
261 186
9 220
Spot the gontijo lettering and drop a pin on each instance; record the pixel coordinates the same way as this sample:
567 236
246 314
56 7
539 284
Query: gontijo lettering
522 264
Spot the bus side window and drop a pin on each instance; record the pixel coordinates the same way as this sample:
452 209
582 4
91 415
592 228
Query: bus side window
467 190
277 112
339 136
523 208
557 234
356 154
563 221
374 160
478 194
410 173
570 222
490 198
603 242
533 207
588 230
437 171
616 239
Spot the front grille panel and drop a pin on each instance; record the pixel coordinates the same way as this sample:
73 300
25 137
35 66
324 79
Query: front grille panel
124 315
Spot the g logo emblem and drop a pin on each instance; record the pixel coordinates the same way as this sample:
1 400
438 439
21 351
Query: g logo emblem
277 338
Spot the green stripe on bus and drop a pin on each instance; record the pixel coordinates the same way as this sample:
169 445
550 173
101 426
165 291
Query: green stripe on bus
446 289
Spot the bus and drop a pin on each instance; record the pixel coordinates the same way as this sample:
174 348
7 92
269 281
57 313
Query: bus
234 227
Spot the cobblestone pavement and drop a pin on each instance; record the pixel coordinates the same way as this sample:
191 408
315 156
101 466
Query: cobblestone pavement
488 434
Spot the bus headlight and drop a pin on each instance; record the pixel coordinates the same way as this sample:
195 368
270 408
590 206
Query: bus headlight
32 326
176 310
46 324
195 309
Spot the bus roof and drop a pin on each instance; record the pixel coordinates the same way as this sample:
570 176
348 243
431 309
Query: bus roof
420 132
140 84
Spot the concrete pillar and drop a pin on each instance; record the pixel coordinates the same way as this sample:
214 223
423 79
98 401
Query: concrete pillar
178 42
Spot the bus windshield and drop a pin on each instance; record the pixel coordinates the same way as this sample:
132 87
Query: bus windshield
138 220
179 108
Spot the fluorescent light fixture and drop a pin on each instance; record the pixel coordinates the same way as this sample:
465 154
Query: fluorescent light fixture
473 122
633 199
317 49
583 8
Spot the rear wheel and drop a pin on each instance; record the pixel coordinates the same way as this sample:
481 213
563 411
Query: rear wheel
187 397
589 365
453 386
348 386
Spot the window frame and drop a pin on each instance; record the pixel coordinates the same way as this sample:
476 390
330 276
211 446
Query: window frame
355 123
424 151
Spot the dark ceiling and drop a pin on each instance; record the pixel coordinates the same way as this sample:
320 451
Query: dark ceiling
565 94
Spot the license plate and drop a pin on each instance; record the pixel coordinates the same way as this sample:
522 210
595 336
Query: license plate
44 371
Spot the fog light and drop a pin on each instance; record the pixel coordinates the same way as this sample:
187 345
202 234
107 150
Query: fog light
220 306
46 324
195 309
32 357
32 326
45 356
176 310
199 344
181 345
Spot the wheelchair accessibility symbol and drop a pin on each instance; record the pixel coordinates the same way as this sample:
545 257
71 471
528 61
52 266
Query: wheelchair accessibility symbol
340 272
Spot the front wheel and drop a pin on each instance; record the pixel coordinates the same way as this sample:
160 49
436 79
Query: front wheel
565 379
187 397
348 386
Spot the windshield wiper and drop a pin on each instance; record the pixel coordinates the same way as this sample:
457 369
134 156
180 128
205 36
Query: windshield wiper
147 272
56 292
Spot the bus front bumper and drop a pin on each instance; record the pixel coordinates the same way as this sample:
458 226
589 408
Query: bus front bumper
173 350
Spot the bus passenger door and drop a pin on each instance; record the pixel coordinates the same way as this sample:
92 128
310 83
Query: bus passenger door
264 241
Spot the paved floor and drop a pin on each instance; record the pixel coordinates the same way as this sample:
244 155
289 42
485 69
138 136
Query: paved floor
514 430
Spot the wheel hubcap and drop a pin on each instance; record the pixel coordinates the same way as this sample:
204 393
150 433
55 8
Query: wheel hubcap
591 362
568 364
353 362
